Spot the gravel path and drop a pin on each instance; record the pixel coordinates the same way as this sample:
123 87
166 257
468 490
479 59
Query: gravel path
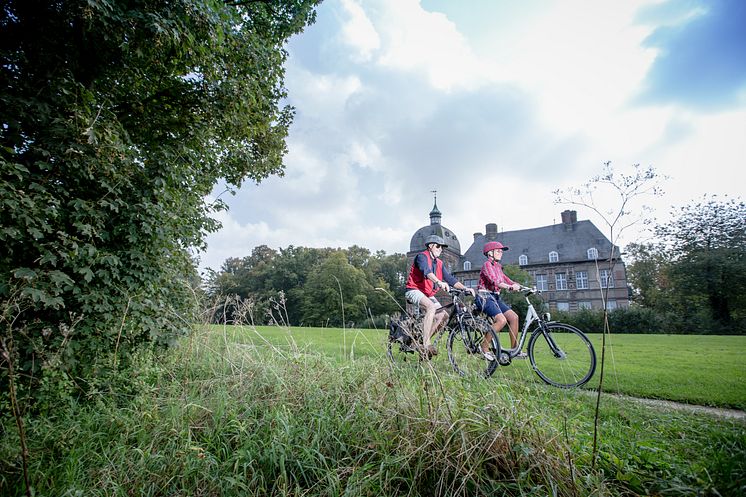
668 404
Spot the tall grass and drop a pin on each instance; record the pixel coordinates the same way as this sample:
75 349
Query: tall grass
696 369
219 417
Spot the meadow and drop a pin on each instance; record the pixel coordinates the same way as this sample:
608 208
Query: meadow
697 369
321 412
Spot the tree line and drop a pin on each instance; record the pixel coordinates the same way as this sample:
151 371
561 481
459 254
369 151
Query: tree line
693 275
310 286
691 279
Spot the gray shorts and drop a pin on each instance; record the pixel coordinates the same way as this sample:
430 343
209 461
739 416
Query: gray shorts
414 297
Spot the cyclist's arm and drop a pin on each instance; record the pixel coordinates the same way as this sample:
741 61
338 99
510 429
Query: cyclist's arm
452 281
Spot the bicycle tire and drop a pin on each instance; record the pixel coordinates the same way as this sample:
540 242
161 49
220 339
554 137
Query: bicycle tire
464 348
572 366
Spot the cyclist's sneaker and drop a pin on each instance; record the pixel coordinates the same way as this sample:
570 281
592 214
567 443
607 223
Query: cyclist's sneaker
487 354
521 355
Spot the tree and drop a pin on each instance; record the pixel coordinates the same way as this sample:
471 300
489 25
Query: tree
337 294
647 274
116 120
611 195
706 244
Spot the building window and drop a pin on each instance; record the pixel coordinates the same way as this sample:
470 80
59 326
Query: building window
584 305
581 280
467 265
561 279
522 260
606 279
470 283
592 253
553 256
563 306
541 282
611 304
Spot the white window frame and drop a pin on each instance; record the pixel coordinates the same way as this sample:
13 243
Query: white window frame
611 305
592 253
560 280
542 284
606 278
467 265
553 256
563 306
522 260
584 304
581 280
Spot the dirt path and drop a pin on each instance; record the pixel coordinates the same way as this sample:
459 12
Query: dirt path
669 404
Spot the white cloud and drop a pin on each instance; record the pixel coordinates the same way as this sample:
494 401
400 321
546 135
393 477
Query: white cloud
495 108
358 32
422 43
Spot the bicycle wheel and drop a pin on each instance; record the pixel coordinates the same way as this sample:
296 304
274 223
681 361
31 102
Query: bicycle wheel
562 355
464 348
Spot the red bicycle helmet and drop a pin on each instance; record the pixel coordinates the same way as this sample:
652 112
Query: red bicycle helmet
490 246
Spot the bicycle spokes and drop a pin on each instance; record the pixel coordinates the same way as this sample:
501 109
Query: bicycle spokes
562 355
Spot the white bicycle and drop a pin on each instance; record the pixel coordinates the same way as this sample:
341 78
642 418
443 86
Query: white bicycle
560 354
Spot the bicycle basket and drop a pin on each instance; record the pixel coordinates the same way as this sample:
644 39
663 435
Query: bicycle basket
398 332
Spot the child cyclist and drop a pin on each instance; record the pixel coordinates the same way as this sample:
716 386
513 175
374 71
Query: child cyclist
491 281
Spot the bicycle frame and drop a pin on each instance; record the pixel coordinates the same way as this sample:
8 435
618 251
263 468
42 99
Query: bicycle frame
531 317
456 311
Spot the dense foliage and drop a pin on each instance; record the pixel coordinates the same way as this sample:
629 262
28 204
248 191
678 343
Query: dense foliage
694 278
116 119
310 286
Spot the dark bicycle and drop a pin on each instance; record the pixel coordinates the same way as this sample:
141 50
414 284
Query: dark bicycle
466 333
561 355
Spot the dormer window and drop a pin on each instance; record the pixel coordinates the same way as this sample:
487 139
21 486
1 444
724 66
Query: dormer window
553 256
592 253
467 265
522 260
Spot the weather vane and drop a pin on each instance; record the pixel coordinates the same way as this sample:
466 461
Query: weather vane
435 195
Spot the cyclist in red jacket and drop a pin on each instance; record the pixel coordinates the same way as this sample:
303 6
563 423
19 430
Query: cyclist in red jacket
426 276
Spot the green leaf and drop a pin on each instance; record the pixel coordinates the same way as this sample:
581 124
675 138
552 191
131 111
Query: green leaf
24 273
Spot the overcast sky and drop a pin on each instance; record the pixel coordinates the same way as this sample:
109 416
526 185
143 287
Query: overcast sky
495 104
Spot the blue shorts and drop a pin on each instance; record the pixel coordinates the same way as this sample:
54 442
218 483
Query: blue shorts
492 305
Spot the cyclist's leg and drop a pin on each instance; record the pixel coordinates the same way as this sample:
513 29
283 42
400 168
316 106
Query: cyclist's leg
498 323
488 305
427 309
431 321
512 319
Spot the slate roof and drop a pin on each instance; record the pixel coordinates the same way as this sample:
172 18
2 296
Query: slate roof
571 241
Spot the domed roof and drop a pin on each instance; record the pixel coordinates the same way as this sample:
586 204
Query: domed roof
418 239
417 244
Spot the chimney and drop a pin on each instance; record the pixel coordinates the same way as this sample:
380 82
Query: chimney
569 218
491 230
477 235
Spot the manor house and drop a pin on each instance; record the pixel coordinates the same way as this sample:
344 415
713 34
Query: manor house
568 262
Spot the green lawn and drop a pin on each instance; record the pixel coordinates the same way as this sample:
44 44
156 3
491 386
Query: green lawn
697 369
